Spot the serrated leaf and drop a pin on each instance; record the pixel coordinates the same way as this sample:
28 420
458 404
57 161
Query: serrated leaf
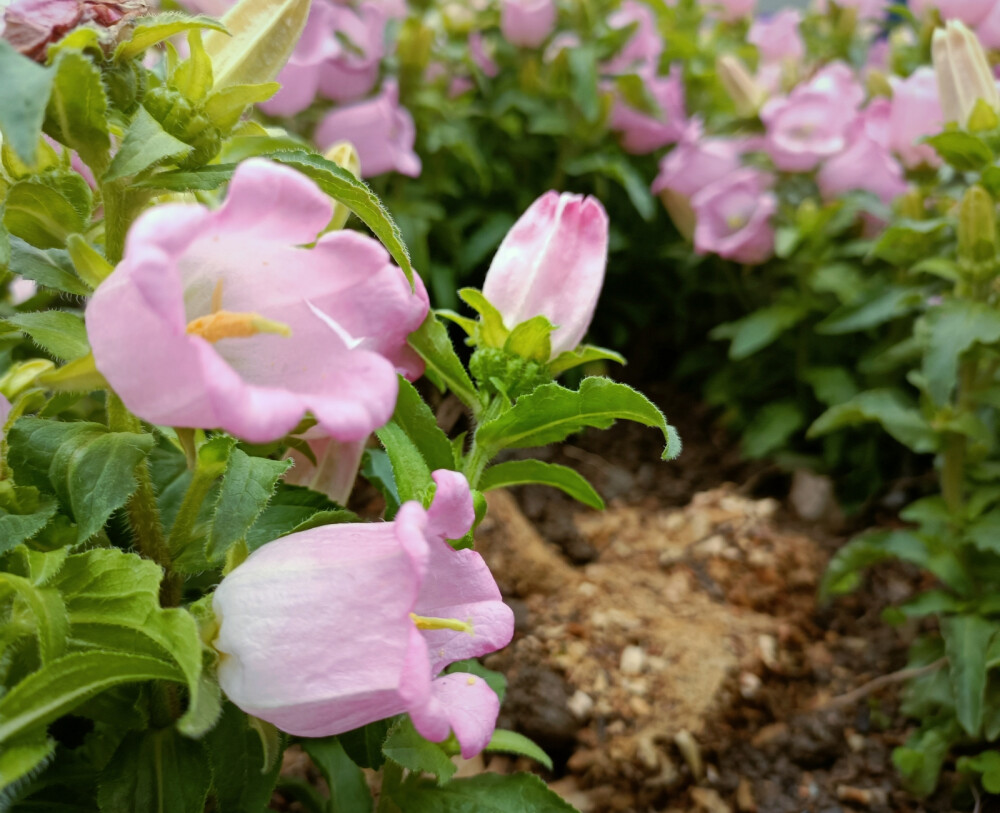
953 328
355 194
292 509
51 268
60 333
415 418
406 747
77 113
63 684
193 77
246 489
584 354
551 413
159 27
966 641
89 468
23 757
410 471
897 414
432 344
524 472
23 513
205 178
510 742
156 770
48 610
43 214
348 787
22 104
485 793
145 145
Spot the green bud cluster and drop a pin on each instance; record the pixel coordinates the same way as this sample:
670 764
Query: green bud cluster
977 233
185 121
496 370
126 84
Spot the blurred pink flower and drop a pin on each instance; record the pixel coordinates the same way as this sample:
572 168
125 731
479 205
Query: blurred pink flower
642 132
970 12
335 469
915 114
642 50
731 10
382 131
220 319
527 23
812 122
777 37
32 25
988 29
734 217
332 628
551 263
477 50
866 165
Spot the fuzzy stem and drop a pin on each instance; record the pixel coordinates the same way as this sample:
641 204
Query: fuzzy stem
479 457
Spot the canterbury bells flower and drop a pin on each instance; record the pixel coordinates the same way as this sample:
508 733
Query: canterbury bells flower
329 629
220 319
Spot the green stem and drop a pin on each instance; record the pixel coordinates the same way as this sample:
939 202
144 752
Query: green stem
953 472
479 457
143 512
392 778
117 219
187 514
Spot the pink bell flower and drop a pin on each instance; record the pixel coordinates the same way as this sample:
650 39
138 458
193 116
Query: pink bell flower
220 319
381 130
734 217
527 23
551 263
812 122
970 12
329 629
732 10
866 164
988 29
777 37
914 114
694 164
336 467
477 51
643 49
643 133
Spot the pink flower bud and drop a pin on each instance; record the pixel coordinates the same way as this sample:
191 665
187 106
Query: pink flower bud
382 131
527 23
551 263
734 217
329 629
220 319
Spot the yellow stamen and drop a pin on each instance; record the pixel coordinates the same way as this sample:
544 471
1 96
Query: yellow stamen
222 324
471 681
425 623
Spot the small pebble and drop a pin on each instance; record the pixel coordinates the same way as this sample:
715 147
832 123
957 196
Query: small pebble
633 660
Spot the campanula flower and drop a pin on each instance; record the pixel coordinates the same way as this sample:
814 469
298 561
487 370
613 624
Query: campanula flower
329 629
551 263
642 50
915 113
222 319
645 132
777 36
527 23
734 217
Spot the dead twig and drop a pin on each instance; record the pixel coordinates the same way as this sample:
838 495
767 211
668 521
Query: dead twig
881 682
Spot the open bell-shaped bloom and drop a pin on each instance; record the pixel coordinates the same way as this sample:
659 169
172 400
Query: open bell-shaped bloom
332 628
734 217
642 50
915 113
551 263
777 36
220 319
380 128
642 132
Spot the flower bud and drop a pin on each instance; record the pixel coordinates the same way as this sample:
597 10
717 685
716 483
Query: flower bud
345 156
746 94
963 75
977 233
527 23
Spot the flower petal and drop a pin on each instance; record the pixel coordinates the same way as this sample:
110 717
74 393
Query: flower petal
462 703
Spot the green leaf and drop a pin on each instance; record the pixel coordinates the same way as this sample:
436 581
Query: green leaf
759 329
523 472
891 408
584 354
907 242
246 489
77 114
843 574
342 186
145 145
966 640
156 770
22 104
89 264
261 36
485 793
377 470
432 344
964 151
45 214
48 610
205 178
66 682
60 333
293 509
193 77
920 760
953 328
349 791
23 757
364 745
89 468
771 428
987 765
410 471
623 172
23 513
510 742
242 779
491 330
159 27
551 413
415 418
52 268
873 311
407 748
225 107
531 340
